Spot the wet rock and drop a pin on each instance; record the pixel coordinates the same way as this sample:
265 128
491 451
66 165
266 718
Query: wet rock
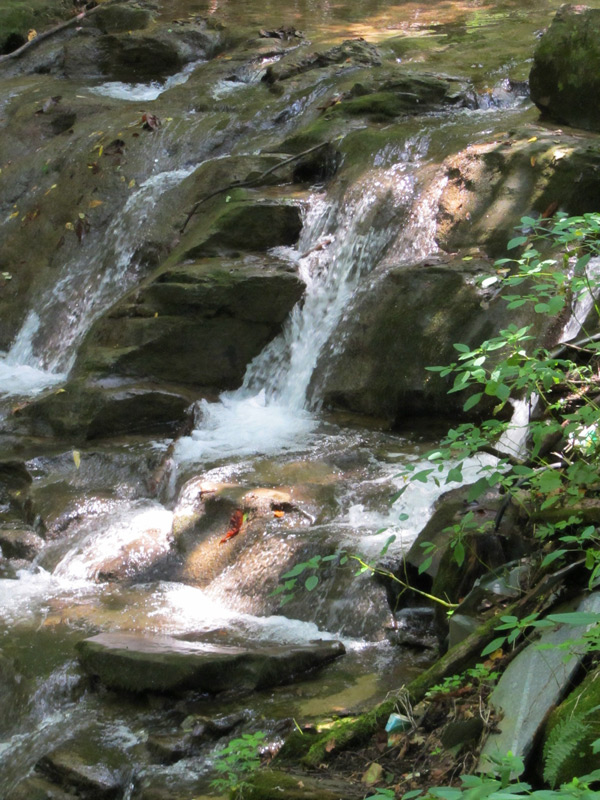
75 768
352 52
20 543
88 411
532 171
168 749
533 682
120 18
413 627
403 320
163 664
15 503
401 92
135 56
566 68
197 323
37 788
250 228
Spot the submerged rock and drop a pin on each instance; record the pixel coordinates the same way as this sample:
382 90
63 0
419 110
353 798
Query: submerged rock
77 768
352 52
566 68
163 664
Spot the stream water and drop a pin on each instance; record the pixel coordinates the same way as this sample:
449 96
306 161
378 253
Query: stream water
271 432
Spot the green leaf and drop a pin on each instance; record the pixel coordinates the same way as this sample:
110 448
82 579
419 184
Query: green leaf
422 475
311 583
575 618
424 566
459 553
494 645
295 571
472 401
455 474
516 242
552 557
477 489
462 348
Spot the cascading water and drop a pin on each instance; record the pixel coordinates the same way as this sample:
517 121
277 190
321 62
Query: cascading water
46 345
340 243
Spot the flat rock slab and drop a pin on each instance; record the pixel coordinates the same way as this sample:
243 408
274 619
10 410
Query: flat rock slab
531 685
139 663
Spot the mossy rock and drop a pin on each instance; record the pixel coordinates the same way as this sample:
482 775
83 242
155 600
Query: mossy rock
570 731
17 18
566 68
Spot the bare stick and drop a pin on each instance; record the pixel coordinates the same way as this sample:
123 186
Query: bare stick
57 29
251 182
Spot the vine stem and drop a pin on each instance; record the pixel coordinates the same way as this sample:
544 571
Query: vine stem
387 574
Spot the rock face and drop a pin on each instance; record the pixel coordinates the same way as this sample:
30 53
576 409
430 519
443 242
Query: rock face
196 323
163 664
531 685
492 185
94 411
566 68
402 322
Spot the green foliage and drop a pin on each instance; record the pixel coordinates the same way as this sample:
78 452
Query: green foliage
568 736
505 784
237 759
479 675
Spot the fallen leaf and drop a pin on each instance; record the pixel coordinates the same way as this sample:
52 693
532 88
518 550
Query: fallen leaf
96 203
533 139
532 161
76 458
330 746
69 226
131 183
373 774
235 525
31 34
279 514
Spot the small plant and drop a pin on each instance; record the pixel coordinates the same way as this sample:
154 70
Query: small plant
236 760
479 675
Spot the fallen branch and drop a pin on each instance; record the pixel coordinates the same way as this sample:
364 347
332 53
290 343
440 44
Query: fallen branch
89 9
251 182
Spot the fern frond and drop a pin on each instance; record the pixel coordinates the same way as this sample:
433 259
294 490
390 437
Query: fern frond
565 738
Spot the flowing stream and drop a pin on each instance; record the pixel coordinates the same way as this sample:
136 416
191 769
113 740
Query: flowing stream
110 564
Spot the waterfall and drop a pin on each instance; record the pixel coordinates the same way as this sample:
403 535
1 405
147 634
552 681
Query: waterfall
341 242
45 348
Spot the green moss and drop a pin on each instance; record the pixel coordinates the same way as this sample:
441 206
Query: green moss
17 18
577 720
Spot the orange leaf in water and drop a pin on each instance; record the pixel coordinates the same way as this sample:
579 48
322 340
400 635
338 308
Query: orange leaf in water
235 525
279 514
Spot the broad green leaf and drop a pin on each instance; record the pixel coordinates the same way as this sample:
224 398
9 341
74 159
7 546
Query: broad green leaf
472 401
494 645
516 242
311 583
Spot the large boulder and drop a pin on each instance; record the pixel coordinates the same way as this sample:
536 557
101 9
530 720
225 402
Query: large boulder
162 664
565 77
404 320
532 171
